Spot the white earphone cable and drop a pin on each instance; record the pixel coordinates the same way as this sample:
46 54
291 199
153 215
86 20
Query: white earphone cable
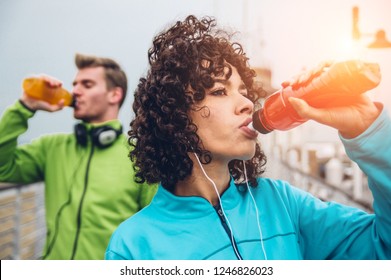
256 210
221 204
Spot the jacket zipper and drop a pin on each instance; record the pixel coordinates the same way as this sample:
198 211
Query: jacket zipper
223 221
81 204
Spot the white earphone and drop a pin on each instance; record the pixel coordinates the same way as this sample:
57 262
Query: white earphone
222 208
256 211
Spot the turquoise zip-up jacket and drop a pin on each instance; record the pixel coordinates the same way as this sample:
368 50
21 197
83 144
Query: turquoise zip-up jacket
294 224
88 191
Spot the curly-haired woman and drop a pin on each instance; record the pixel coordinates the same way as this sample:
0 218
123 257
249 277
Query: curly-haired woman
191 135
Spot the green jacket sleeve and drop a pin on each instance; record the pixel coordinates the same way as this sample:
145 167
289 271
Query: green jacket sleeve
24 163
146 191
146 194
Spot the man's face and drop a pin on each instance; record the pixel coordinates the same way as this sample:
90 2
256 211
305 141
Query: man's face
91 95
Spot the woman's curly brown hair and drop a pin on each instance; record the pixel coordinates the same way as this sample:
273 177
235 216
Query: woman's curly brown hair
162 134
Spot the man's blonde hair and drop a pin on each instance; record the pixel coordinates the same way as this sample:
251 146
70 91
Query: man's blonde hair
114 75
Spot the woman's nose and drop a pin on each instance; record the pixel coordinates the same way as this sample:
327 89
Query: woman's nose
246 105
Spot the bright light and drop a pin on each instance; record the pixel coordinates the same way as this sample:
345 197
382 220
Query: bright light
347 48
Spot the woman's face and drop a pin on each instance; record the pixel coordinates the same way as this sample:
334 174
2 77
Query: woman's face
222 118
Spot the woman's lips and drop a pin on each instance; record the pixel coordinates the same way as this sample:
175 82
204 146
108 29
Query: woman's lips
249 131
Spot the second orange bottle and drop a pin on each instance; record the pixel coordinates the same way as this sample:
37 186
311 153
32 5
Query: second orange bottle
38 88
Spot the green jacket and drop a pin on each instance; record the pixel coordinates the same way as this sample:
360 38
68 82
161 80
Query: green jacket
88 191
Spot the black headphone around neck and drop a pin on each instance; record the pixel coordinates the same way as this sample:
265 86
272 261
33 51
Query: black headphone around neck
102 136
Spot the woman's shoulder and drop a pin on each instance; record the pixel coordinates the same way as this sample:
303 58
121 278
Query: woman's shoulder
277 186
273 184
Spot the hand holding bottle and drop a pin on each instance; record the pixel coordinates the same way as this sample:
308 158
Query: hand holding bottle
332 94
350 119
45 93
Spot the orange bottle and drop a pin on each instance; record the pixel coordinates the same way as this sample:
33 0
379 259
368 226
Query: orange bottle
39 89
335 86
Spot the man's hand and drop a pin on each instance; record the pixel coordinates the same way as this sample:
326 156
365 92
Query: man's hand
35 104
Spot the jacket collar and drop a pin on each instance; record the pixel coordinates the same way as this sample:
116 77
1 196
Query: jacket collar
116 124
190 207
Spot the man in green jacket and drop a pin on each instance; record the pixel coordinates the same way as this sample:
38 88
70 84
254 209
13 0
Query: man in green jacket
89 179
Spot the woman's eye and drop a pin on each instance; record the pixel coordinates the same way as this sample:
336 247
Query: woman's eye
218 92
244 93
243 90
